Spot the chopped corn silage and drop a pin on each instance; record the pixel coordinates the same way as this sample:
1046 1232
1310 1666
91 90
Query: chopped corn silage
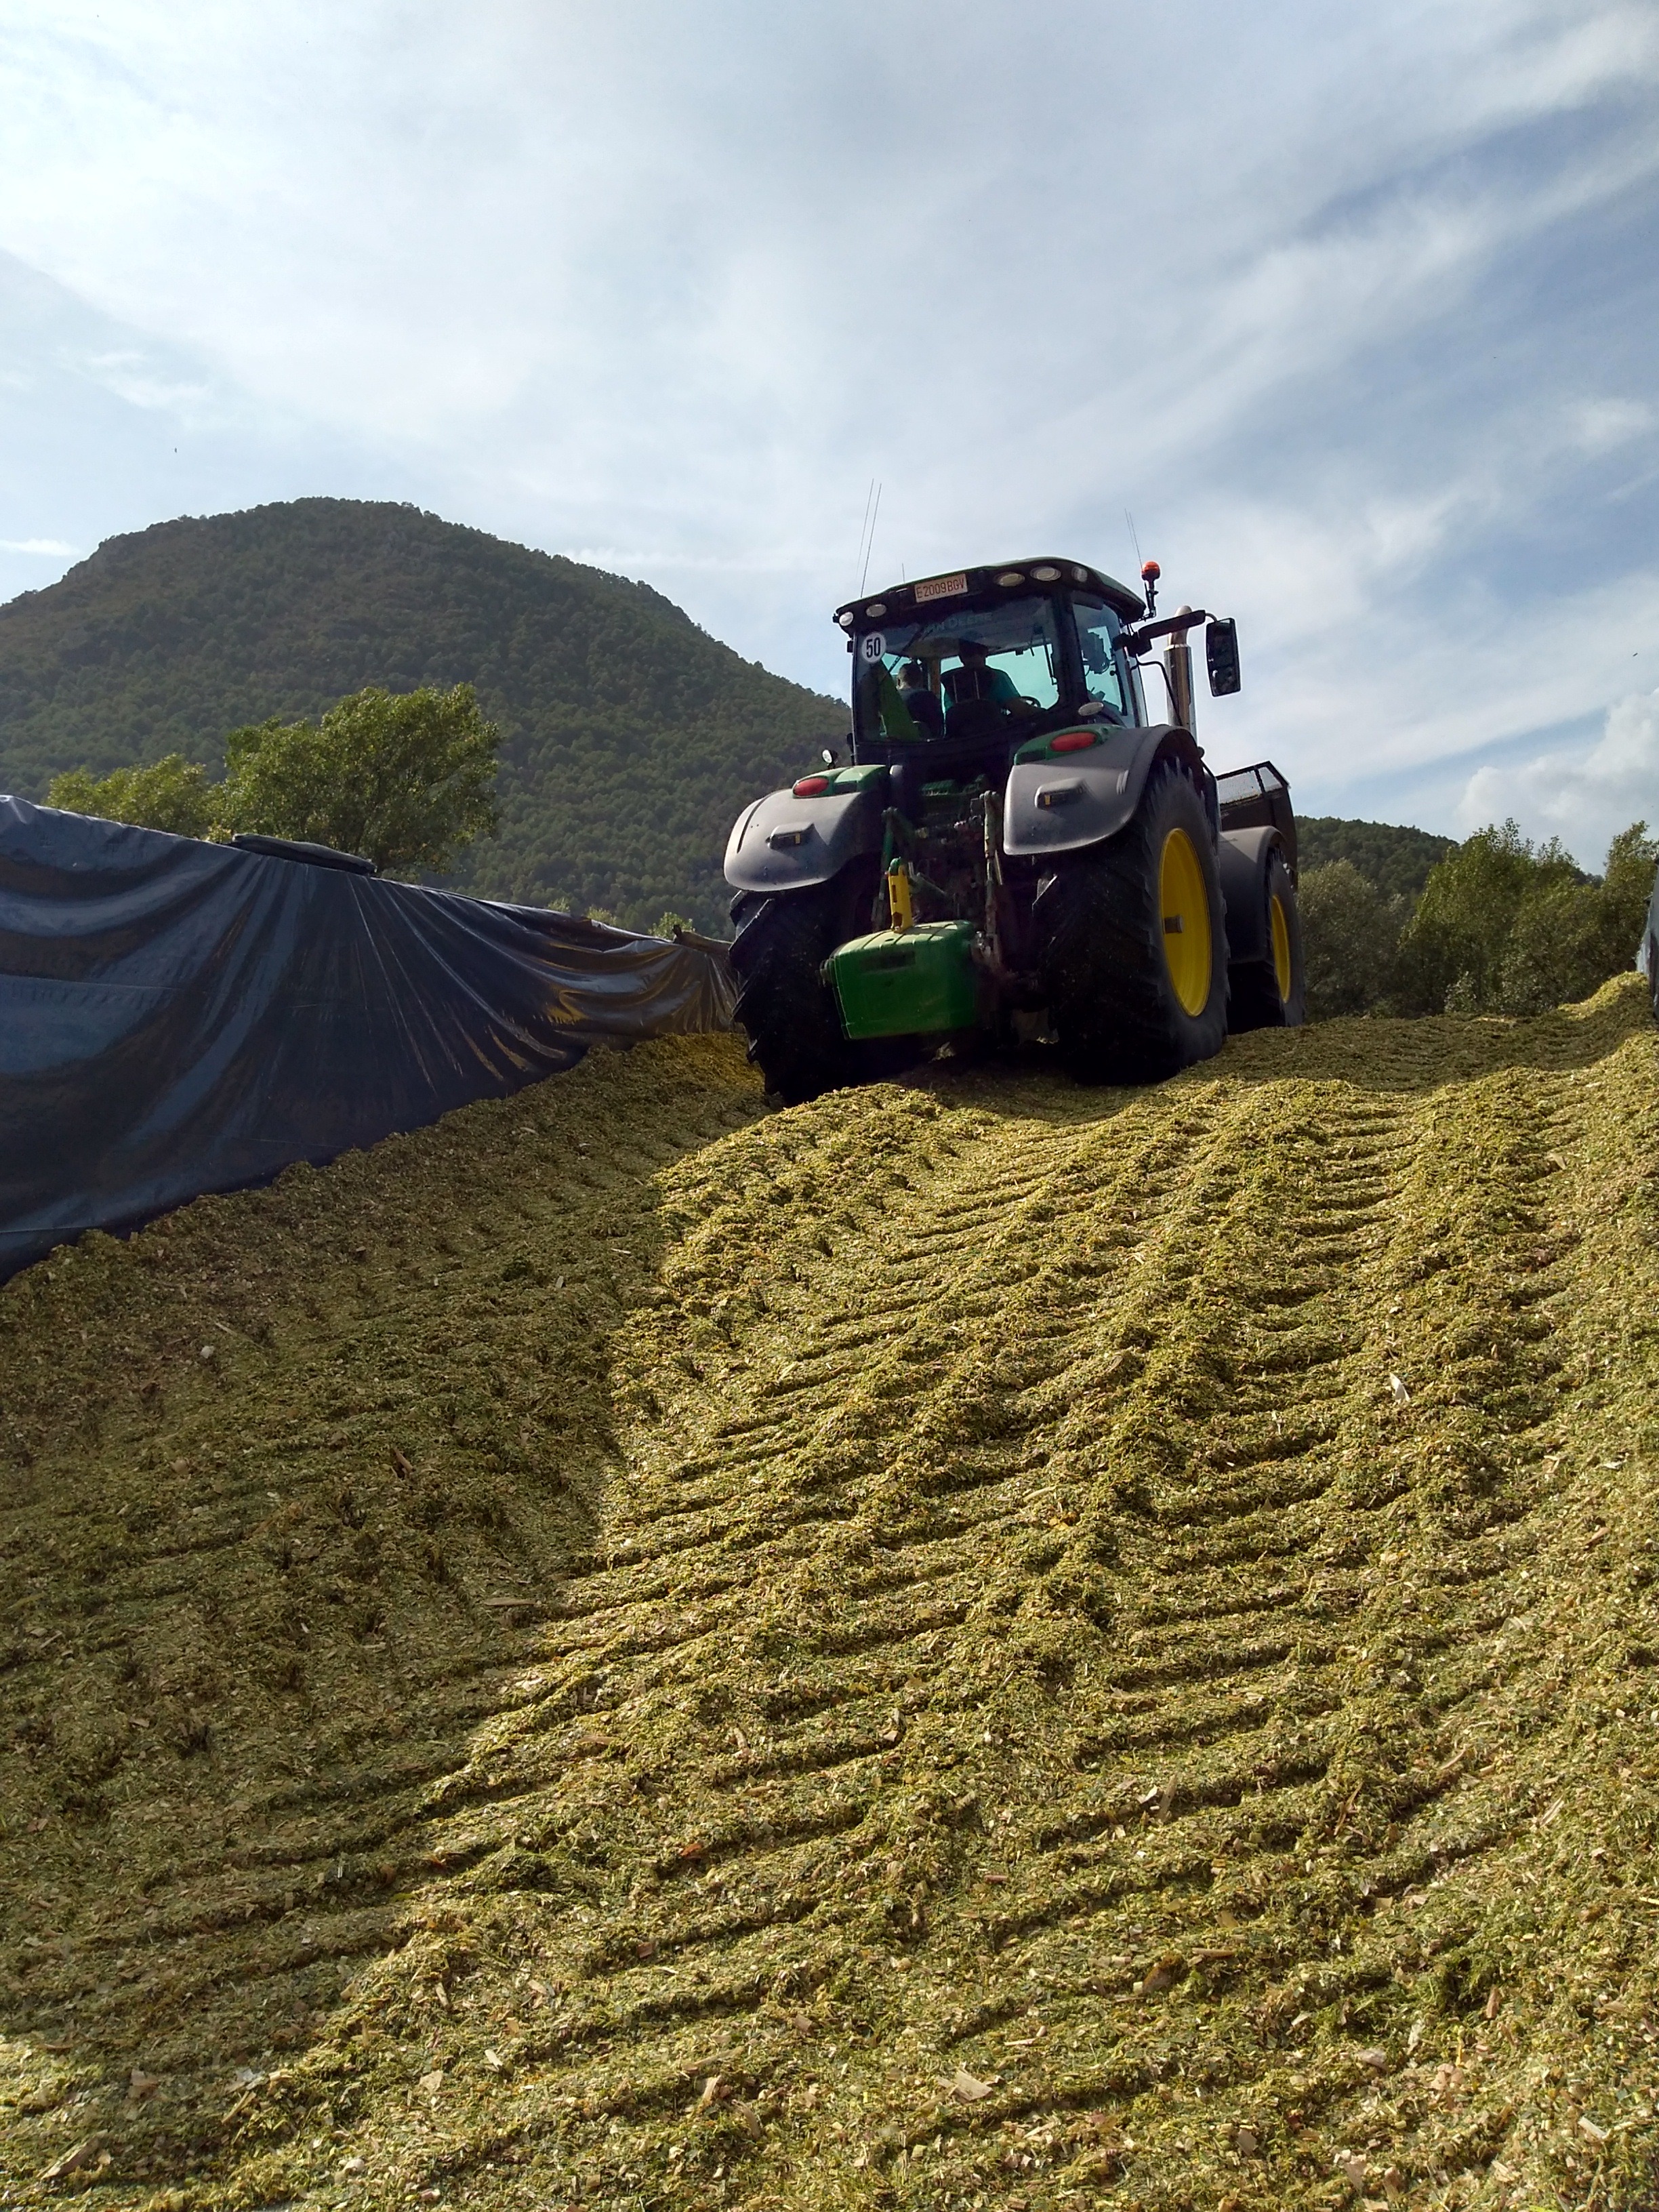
973 1643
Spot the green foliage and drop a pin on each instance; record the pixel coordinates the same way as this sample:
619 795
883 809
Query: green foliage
1502 926
1556 951
1506 928
1568 938
630 739
666 924
172 794
1351 940
1627 884
1459 938
406 779
1395 859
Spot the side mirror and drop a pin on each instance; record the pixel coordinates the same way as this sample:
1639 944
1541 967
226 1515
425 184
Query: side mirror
1221 652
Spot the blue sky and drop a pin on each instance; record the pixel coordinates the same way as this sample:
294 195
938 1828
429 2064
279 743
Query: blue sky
1357 311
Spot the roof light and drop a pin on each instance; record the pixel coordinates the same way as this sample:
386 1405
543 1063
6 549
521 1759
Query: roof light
1068 741
845 618
876 610
1011 576
1080 573
811 786
1046 573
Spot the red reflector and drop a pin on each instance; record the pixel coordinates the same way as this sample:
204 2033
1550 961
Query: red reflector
809 785
1068 741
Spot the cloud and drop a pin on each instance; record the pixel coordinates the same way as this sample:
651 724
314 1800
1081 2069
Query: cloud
134 377
1600 425
1583 798
53 547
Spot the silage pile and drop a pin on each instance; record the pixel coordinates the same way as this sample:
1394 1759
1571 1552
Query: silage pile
973 1643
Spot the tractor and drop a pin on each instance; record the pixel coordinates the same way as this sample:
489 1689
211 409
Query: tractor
1012 851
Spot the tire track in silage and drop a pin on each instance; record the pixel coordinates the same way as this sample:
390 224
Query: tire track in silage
1036 1636
1072 1354
223 1843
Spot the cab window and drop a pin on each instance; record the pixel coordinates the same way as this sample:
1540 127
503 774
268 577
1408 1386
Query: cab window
1102 667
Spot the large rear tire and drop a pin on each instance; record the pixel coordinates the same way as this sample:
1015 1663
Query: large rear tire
1134 955
795 1035
1272 993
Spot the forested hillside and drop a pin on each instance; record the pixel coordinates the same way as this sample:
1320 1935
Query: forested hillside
1394 859
630 737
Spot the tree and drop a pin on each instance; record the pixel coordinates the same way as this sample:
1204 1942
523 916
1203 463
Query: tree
1557 951
1506 928
1568 938
1351 940
1627 887
406 779
173 794
1453 951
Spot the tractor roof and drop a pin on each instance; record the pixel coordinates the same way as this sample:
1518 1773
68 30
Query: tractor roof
997 579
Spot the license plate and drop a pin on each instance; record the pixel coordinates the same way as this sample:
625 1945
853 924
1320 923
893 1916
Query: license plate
941 588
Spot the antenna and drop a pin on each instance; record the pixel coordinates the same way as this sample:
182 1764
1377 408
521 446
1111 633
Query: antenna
870 546
1134 539
864 525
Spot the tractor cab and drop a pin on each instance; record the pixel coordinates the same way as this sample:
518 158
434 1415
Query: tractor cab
955 674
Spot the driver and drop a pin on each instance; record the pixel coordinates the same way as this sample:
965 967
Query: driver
975 679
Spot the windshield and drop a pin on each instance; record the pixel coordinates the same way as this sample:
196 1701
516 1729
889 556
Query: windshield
950 673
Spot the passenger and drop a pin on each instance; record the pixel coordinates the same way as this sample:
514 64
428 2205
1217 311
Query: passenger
919 700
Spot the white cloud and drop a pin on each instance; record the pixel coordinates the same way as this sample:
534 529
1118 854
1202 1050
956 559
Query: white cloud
1344 304
134 377
1600 425
53 547
1583 798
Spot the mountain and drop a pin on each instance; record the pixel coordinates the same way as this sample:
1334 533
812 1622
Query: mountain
630 737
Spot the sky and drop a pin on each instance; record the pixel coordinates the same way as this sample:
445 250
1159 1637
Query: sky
1355 312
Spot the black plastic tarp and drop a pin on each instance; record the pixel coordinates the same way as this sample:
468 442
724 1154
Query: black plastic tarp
177 1016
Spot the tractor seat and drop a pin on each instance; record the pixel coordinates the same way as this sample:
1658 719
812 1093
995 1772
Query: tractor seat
925 712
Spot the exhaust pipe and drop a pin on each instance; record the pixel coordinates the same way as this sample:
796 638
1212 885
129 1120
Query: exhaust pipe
1178 674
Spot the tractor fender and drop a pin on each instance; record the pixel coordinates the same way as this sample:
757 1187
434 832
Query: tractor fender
783 844
1242 855
1075 800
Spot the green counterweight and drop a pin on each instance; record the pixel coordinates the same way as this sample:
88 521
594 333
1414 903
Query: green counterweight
910 982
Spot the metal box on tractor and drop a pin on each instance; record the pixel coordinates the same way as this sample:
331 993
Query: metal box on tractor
1013 850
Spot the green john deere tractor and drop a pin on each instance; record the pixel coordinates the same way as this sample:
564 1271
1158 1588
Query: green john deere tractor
1014 849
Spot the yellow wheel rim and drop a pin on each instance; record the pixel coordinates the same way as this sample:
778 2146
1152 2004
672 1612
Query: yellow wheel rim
1184 903
1281 930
